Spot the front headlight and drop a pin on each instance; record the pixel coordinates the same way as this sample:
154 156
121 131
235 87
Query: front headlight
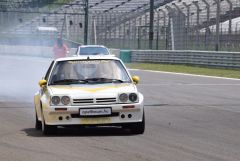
133 97
123 97
55 100
65 100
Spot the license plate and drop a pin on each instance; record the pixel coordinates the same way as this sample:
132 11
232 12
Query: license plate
95 112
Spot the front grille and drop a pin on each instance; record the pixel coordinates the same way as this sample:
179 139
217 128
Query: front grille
105 100
92 101
83 101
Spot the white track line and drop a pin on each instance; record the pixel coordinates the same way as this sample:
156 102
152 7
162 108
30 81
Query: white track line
192 75
182 84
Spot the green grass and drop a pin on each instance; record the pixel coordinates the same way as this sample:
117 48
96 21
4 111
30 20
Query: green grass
229 73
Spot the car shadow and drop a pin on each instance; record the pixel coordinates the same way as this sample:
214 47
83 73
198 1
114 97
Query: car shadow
81 132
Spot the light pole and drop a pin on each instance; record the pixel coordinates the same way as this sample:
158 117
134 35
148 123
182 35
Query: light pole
217 41
151 24
188 24
86 23
207 26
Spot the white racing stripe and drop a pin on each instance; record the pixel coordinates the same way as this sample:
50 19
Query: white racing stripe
192 75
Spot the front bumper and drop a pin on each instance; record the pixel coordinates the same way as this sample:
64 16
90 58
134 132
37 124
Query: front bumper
71 116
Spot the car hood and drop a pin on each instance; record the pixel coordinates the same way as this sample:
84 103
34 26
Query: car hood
91 89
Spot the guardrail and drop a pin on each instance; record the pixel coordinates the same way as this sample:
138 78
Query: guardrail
200 58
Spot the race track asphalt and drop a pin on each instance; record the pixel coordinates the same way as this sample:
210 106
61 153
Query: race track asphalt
188 118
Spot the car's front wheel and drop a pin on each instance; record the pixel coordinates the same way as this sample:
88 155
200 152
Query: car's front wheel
38 124
47 129
138 127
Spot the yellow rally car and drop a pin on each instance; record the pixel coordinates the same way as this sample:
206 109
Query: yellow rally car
89 90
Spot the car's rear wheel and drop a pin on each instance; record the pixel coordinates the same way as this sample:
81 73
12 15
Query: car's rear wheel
47 129
38 124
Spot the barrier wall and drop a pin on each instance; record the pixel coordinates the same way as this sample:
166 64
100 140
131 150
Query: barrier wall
200 58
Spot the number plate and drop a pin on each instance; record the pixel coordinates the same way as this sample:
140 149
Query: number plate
95 112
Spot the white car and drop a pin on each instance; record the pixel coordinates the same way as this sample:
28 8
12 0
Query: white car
89 90
92 50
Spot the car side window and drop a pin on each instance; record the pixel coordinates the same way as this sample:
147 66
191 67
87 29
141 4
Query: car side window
48 71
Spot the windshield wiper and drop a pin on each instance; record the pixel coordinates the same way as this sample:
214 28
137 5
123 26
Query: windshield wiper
90 54
69 81
117 80
104 80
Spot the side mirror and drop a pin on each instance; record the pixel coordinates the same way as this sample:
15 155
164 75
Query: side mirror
42 83
135 79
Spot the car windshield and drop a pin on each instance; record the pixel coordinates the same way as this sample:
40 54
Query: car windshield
88 71
93 51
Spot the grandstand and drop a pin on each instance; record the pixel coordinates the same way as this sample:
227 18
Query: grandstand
178 24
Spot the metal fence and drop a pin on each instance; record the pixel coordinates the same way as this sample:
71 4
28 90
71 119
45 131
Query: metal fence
179 25
125 24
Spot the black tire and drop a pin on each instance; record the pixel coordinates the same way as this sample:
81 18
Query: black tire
137 128
38 124
47 129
